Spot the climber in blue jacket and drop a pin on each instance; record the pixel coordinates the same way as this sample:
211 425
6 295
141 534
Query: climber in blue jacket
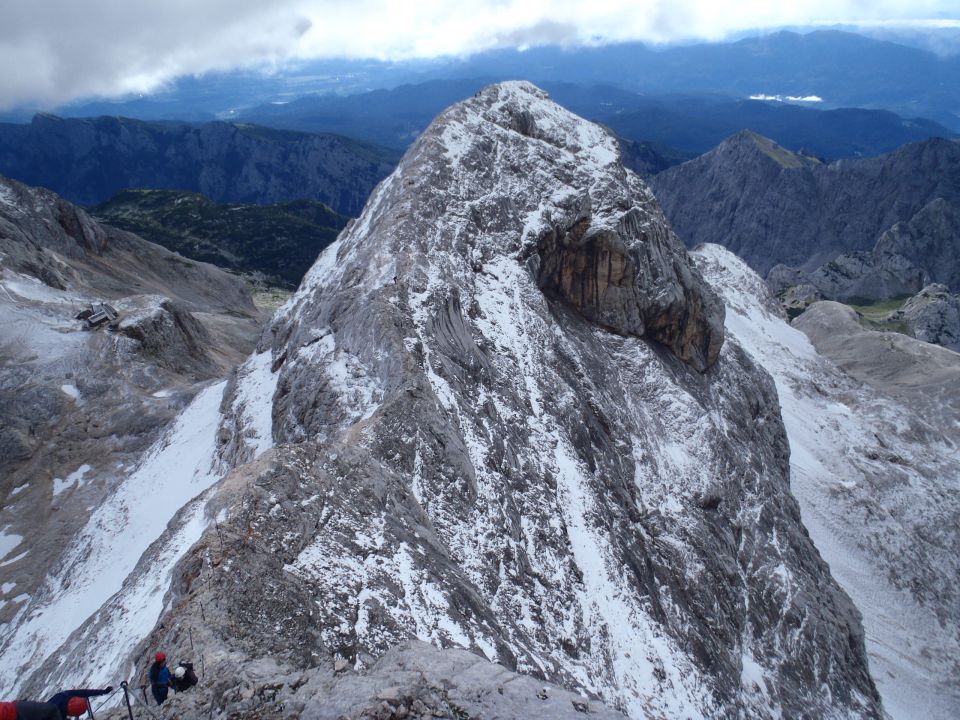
160 678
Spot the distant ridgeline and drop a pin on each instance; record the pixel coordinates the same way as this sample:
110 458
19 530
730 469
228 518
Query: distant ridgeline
770 205
89 160
845 69
280 241
678 126
862 232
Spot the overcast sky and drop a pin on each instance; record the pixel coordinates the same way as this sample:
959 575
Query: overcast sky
53 51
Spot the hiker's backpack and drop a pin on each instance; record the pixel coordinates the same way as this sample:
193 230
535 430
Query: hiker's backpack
8 711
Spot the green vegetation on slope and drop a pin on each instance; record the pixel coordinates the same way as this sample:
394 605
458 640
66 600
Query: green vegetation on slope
278 241
879 315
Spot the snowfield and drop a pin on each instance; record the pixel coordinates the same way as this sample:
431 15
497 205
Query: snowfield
108 565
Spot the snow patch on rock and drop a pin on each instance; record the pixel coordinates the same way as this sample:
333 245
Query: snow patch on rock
8 542
70 390
254 401
7 196
76 477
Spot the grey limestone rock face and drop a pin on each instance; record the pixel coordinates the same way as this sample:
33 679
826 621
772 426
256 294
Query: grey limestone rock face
859 277
872 419
167 333
929 240
771 206
783 277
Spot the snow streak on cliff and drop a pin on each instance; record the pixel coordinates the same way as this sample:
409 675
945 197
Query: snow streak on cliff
116 572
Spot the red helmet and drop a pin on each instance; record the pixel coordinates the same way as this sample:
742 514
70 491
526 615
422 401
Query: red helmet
77 706
161 657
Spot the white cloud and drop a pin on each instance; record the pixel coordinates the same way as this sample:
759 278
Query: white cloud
56 50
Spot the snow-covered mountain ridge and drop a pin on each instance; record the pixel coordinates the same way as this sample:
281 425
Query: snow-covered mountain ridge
503 417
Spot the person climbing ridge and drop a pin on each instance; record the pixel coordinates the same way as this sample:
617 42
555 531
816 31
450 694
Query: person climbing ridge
74 703
68 703
159 677
184 677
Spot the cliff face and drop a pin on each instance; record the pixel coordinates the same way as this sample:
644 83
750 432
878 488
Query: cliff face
87 161
502 417
872 419
771 206
929 240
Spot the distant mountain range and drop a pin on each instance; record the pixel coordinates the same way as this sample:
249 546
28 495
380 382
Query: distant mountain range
89 160
687 124
281 241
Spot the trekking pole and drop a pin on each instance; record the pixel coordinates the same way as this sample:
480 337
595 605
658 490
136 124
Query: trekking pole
126 699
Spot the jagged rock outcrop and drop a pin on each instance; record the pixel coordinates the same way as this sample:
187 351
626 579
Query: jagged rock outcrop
88 160
904 260
416 681
467 454
635 280
771 206
901 264
167 333
860 277
932 315
49 239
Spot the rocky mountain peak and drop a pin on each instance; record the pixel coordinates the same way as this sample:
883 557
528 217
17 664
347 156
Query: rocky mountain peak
497 415
485 450
509 173
772 207
749 144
